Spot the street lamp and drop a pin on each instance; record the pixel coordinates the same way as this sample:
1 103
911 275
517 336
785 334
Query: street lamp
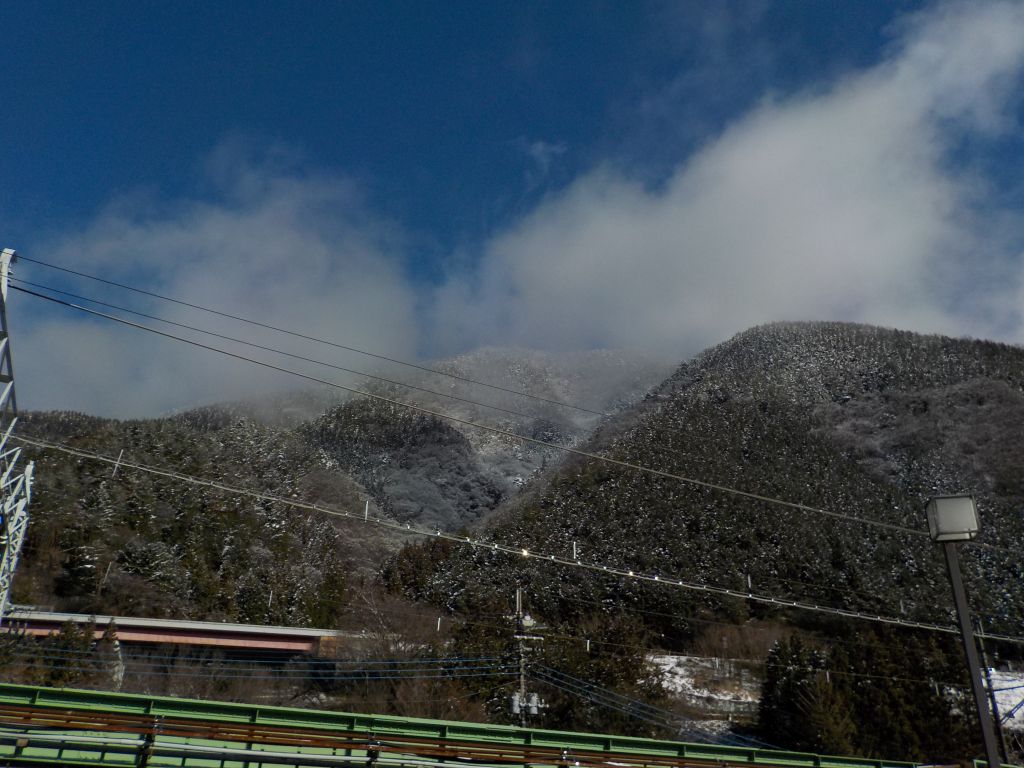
952 519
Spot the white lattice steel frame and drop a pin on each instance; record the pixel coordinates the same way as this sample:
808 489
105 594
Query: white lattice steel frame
15 484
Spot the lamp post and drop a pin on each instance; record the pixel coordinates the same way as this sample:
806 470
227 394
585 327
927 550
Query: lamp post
952 519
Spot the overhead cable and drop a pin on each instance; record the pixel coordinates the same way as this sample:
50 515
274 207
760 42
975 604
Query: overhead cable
634 712
296 334
499 431
633 707
359 669
137 668
696 620
399 665
524 552
274 350
359 664
301 665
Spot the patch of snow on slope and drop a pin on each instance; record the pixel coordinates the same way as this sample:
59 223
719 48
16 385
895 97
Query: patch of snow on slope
714 685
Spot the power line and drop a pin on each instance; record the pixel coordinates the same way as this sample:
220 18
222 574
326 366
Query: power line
843 672
639 709
661 652
291 669
497 430
273 349
357 668
609 570
220 674
223 670
693 619
296 357
694 481
314 669
846 588
688 619
647 650
753 662
359 664
636 712
298 335
226 668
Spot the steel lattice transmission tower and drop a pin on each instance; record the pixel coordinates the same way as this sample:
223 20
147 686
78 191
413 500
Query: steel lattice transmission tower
15 484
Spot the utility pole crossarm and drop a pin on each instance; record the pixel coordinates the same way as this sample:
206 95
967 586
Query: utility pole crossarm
524 703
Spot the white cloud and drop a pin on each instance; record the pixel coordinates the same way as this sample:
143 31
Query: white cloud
294 251
543 154
848 202
843 203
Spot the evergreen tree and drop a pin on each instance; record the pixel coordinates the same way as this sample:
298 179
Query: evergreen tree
908 696
887 694
829 725
65 657
791 670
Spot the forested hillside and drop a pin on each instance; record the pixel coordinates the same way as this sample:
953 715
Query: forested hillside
853 419
862 422
856 420
137 544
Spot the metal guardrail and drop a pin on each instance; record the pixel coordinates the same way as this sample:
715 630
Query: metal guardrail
47 726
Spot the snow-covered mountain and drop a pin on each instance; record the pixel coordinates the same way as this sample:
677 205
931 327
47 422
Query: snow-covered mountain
448 473
857 420
150 546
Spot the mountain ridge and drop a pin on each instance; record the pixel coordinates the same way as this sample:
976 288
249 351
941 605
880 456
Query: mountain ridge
822 414
96 544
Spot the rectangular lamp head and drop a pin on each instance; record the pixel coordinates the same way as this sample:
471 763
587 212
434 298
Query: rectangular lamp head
953 518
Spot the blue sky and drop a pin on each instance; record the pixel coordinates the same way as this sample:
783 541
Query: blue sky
432 106
423 178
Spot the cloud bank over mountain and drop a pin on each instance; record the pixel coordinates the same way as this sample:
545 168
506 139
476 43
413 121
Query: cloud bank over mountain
853 200
293 250
843 203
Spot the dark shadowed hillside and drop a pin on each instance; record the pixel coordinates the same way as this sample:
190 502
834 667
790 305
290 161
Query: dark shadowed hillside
417 467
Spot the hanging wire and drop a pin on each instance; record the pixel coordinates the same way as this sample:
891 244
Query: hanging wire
611 570
505 432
